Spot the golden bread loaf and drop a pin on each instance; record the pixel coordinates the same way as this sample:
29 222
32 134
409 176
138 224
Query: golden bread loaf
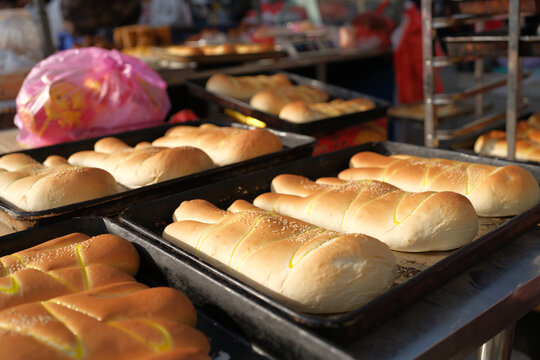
272 101
494 143
244 87
412 222
302 112
118 321
306 267
33 186
225 145
184 50
493 191
144 164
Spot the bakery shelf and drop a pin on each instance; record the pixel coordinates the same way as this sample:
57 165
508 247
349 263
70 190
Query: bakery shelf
490 46
419 273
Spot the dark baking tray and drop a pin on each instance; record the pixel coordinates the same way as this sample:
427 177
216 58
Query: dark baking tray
489 46
160 268
197 88
295 146
413 281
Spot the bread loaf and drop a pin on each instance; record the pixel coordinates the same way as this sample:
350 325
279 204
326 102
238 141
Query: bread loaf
302 112
32 186
494 143
184 50
272 101
308 268
412 222
225 145
144 164
244 87
218 49
119 321
493 191
64 265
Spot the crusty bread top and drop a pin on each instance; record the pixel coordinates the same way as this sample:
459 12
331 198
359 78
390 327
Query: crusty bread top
32 186
494 191
244 87
273 100
302 112
225 145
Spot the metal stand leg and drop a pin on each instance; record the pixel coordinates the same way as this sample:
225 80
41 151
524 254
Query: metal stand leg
499 347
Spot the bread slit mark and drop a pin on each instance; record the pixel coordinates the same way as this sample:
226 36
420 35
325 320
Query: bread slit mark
364 184
445 171
80 262
293 263
256 222
21 264
213 228
399 222
76 351
477 185
371 200
314 200
385 170
290 237
13 288
166 340
3 270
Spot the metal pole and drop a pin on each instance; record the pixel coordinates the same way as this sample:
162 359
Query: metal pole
513 77
430 116
46 38
499 347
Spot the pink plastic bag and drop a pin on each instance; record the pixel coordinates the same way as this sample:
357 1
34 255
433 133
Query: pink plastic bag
87 92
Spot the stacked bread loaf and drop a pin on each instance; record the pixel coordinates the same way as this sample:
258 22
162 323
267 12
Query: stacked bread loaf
34 186
75 297
412 222
493 143
306 267
493 191
225 145
303 112
143 164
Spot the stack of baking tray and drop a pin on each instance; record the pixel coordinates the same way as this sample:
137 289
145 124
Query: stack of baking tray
198 88
295 146
262 318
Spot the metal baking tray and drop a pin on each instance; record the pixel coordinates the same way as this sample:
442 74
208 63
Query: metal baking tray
228 339
490 45
295 146
418 273
197 88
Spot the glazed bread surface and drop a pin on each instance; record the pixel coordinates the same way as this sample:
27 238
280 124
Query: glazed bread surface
244 87
412 222
302 112
273 101
225 145
306 267
117 321
33 186
493 191
143 164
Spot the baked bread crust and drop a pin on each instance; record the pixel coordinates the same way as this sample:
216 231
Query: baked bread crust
412 222
144 164
244 87
272 101
32 186
302 112
308 268
225 145
493 191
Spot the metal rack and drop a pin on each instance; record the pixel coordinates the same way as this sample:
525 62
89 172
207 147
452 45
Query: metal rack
513 43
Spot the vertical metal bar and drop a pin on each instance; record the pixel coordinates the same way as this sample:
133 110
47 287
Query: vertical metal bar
499 347
46 37
430 116
479 77
513 77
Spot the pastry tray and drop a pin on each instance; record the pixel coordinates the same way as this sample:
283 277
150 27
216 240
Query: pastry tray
295 146
490 46
418 273
485 7
159 268
197 88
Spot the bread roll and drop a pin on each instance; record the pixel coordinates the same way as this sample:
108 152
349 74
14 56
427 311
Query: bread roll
32 186
494 143
253 48
225 145
493 191
120 321
412 222
218 49
244 87
74 250
142 165
302 112
272 101
308 268
184 50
